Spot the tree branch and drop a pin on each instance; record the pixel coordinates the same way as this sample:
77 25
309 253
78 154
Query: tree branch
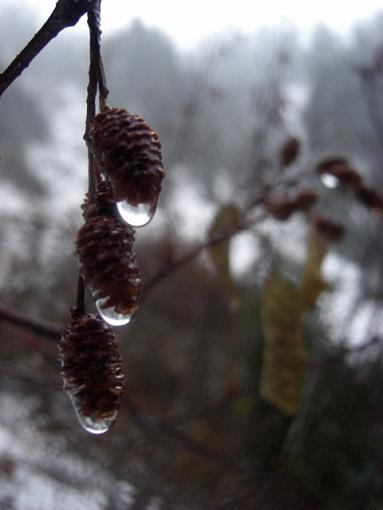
187 258
194 252
65 14
95 51
96 78
37 326
96 82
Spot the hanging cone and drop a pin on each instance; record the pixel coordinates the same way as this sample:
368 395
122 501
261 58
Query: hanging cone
289 151
280 207
305 199
108 265
92 371
129 153
341 170
370 199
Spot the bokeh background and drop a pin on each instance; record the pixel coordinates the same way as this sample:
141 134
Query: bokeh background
197 430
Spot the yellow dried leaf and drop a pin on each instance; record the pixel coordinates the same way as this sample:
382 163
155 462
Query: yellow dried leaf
313 283
285 361
226 221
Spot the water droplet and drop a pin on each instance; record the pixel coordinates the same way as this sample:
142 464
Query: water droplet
110 316
330 181
96 425
92 424
136 215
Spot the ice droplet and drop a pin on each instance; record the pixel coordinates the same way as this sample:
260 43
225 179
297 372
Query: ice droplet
136 215
330 181
110 316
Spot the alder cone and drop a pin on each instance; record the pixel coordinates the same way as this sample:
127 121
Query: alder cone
340 168
289 151
91 367
305 199
370 199
108 265
280 207
129 153
329 165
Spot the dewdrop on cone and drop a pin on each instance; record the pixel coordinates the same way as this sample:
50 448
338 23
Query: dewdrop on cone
128 151
91 369
108 265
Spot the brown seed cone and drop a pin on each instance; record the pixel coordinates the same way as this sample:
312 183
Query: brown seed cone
341 170
280 208
129 153
305 199
108 265
370 199
327 165
330 230
91 368
289 151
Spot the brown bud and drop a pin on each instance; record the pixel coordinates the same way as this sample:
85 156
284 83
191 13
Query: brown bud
328 229
129 154
108 265
92 369
327 165
305 199
280 208
289 151
348 177
340 169
370 198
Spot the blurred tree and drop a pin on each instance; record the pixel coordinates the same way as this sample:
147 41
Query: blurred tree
238 396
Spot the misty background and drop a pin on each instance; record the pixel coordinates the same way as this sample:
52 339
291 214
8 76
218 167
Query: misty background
222 110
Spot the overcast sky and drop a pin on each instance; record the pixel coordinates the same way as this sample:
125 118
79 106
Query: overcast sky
189 22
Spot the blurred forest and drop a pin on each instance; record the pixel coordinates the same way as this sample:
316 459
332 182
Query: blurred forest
254 367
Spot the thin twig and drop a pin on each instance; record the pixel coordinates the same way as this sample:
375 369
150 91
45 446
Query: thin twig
94 58
194 252
40 327
65 14
80 298
95 50
96 80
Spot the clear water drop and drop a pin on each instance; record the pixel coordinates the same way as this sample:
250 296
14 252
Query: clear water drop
110 316
94 425
330 181
136 215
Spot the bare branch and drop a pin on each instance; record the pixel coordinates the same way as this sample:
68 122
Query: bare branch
193 253
46 329
65 14
95 50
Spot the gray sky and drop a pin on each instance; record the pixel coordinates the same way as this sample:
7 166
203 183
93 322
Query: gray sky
189 22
